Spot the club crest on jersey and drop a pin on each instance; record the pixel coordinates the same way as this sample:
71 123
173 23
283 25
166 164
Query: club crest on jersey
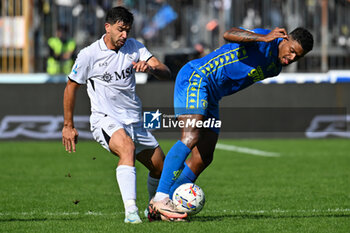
204 104
107 77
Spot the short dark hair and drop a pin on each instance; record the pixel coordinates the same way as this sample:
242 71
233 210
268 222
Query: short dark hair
119 14
304 37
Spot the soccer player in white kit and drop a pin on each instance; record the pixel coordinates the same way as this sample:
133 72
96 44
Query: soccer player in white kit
108 69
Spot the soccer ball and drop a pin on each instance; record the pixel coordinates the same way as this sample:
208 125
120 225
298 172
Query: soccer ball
189 198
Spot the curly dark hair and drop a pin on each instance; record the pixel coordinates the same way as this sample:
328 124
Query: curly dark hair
304 38
119 14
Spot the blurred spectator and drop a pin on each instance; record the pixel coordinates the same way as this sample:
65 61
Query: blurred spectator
252 19
226 5
64 8
163 17
276 14
344 38
61 52
201 50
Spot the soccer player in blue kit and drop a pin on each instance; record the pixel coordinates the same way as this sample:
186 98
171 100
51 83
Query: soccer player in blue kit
250 56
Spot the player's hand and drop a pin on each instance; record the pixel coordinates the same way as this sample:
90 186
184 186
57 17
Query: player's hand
142 66
276 33
69 138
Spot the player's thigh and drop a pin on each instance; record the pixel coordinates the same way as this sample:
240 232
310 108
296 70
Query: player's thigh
153 160
190 94
111 134
203 152
121 144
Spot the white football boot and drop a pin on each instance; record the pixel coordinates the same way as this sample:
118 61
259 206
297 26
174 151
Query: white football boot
132 217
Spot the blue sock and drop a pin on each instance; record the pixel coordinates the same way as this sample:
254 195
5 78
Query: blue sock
187 176
173 164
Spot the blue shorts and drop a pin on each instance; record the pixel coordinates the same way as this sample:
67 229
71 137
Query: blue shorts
192 96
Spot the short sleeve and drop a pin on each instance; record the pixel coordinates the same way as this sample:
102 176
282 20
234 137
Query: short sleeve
79 73
145 55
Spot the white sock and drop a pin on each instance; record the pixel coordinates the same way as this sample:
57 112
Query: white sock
152 185
126 177
130 206
160 196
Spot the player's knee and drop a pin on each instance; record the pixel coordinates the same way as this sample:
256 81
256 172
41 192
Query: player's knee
153 160
156 172
191 138
156 169
191 134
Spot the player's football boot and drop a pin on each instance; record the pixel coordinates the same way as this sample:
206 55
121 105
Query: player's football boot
152 216
132 217
164 210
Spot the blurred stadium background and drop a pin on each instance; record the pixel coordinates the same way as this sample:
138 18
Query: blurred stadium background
280 181
176 32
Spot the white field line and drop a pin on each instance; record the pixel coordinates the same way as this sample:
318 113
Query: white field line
46 213
246 150
280 211
262 212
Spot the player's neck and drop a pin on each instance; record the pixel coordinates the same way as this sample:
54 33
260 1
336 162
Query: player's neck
109 44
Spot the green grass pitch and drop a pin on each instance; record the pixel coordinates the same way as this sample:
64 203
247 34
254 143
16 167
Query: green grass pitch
305 189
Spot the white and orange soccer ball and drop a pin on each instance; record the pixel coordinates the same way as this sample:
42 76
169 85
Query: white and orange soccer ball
189 198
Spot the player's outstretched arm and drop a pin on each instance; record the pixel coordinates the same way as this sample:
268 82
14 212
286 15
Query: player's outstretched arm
154 67
238 35
69 133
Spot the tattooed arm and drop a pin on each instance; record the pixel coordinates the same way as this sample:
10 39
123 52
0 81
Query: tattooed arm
238 35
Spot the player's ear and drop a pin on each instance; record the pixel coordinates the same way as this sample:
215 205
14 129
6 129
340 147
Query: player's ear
285 40
107 27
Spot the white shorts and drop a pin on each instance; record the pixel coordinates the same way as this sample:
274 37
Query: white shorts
103 127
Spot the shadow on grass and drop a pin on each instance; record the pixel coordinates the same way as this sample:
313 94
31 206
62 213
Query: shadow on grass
257 216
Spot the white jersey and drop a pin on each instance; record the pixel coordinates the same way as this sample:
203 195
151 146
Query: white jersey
110 79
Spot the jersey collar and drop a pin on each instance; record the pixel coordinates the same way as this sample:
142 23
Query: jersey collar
102 43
